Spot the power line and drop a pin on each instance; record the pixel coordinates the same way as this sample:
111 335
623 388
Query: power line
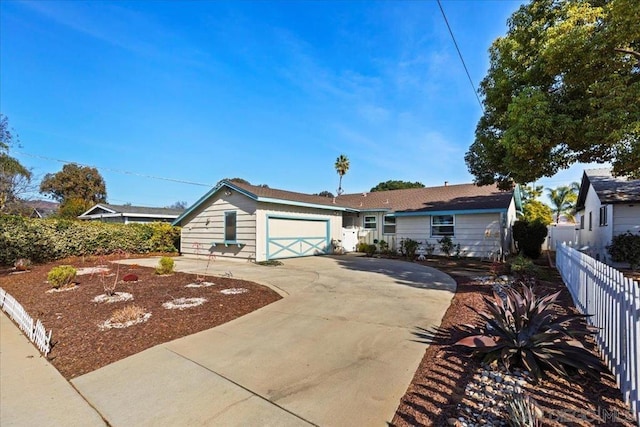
116 170
446 21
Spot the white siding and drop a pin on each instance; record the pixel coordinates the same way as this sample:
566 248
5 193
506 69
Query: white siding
264 209
206 225
477 234
625 218
371 235
593 242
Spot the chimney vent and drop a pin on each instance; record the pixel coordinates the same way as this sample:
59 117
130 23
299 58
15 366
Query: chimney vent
446 183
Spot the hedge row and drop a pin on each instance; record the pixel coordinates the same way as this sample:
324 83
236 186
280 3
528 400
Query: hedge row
43 240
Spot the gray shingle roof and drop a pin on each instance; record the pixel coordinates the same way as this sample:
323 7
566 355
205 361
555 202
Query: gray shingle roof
449 197
126 209
610 189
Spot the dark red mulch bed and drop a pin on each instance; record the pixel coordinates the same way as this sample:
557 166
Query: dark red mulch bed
440 380
79 344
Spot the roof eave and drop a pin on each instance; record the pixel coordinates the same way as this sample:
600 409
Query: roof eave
451 212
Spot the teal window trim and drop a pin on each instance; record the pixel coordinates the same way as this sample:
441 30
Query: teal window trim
369 223
451 212
227 243
446 224
388 225
230 235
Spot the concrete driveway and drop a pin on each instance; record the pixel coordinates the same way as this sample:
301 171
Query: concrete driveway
337 350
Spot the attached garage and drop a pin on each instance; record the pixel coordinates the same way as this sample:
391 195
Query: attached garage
289 237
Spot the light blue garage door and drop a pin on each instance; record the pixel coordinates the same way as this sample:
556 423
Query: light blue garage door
290 237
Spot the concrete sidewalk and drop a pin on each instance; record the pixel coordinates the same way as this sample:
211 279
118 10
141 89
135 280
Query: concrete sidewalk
337 350
32 391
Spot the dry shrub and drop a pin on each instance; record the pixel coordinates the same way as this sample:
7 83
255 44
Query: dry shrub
129 313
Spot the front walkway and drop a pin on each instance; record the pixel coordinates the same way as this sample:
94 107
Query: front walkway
32 391
337 350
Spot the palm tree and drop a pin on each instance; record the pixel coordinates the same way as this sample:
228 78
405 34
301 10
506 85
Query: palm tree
342 166
562 200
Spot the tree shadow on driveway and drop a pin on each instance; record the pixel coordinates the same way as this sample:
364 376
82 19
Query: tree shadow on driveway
402 272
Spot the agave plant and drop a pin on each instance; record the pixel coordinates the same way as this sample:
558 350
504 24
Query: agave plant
525 330
523 411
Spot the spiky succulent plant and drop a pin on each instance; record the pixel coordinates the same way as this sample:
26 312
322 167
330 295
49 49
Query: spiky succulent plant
520 328
523 411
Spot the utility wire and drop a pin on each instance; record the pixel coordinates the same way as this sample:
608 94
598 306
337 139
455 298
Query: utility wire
446 21
115 170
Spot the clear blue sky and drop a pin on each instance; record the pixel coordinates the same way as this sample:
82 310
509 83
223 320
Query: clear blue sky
271 92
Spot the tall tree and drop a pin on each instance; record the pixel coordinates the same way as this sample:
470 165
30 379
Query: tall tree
562 87
77 186
563 199
396 185
324 193
15 179
178 205
341 166
532 208
530 192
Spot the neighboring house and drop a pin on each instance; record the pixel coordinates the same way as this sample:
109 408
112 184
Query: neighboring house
607 206
127 214
42 208
259 223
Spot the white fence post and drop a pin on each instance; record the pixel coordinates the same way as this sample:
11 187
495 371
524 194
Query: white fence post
34 331
613 301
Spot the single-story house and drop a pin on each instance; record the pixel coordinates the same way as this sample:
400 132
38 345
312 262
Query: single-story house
607 206
260 223
42 208
126 214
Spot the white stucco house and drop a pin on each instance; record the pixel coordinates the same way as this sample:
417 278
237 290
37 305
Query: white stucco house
607 206
127 214
259 223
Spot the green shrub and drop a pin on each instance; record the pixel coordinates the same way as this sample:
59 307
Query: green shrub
362 247
446 245
524 330
61 276
165 265
523 267
270 263
370 249
529 236
384 246
408 248
626 248
47 240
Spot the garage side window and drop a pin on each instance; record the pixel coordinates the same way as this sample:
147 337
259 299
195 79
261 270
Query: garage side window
442 225
370 222
230 226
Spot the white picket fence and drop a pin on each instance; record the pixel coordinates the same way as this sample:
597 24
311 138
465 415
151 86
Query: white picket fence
34 331
614 303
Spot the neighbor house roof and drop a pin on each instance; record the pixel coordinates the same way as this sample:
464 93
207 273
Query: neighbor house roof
107 210
610 189
42 208
414 201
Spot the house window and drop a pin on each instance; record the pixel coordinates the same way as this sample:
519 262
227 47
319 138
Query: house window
370 222
389 225
590 221
603 216
442 225
230 226
581 222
